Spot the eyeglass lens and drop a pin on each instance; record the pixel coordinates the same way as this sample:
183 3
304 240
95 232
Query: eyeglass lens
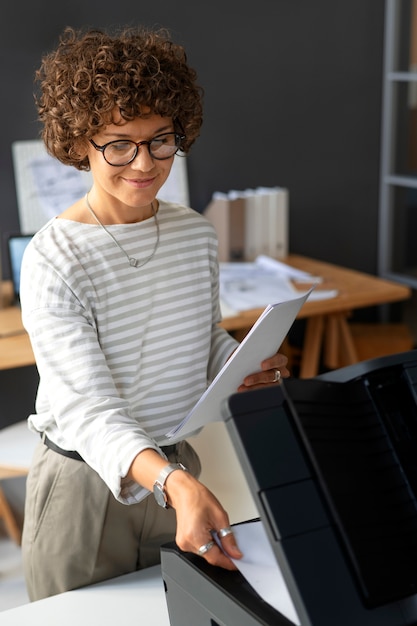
122 152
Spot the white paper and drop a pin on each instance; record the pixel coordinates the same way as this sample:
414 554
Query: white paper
245 286
44 185
260 568
279 267
262 341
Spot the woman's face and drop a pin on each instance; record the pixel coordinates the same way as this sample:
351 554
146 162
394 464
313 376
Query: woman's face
137 183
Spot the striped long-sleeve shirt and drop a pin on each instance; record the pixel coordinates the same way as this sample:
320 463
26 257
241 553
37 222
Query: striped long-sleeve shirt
123 353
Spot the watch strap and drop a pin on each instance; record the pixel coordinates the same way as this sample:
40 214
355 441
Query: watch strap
167 470
162 477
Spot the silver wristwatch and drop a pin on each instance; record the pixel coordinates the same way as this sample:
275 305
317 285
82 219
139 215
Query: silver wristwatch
159 485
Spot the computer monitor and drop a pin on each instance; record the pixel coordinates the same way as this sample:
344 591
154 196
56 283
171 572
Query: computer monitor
16 244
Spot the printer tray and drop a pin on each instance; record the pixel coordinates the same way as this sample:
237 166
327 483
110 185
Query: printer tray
199 593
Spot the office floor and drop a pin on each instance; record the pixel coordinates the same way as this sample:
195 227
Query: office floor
12 585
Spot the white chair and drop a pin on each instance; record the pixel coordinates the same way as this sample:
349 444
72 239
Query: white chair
17 444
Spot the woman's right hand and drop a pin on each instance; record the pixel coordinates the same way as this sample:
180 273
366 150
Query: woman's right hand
198 514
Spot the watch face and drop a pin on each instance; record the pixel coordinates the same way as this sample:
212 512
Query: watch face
160 496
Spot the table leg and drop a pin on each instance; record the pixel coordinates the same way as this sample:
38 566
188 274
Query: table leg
348 352
313 341
332 343
333 333
10 523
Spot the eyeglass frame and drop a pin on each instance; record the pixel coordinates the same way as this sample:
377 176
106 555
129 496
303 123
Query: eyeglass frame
178 137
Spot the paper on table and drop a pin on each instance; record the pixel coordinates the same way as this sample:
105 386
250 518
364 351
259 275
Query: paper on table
260 568
262 341
269 263
245 286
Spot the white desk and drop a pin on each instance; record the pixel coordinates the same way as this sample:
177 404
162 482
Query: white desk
137 598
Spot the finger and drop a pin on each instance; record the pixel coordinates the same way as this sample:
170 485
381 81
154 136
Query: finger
229 543
276 376
285 372
275 363
225 538
260 378
214 555
218 558
206 547
278 360
267 377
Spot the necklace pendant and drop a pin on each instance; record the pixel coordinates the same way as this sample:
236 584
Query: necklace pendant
132 261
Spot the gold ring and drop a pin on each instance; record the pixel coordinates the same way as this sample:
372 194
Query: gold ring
277 377
205 548
223 532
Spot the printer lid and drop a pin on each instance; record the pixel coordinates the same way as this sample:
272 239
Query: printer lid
332 466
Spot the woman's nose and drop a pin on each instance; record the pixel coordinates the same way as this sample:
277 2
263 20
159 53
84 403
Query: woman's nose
143 160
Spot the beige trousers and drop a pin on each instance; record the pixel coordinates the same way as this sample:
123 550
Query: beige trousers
76 533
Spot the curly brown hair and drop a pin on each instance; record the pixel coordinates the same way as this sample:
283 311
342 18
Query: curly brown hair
90 73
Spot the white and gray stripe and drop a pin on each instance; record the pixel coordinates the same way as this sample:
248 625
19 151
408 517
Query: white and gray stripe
123 353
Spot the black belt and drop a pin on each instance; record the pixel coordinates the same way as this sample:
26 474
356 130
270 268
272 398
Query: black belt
72 454
169 449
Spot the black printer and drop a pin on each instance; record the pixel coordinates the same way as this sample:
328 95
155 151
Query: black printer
332 465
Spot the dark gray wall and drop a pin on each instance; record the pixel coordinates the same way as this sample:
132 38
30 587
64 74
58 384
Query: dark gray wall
292 98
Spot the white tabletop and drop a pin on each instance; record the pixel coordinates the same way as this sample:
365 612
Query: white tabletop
136 598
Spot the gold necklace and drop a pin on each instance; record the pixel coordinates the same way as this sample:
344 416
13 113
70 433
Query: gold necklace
132 261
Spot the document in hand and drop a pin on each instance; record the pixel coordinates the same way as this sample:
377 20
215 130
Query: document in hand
262 341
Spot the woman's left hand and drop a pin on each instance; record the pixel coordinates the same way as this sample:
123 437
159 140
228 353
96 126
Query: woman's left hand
272 371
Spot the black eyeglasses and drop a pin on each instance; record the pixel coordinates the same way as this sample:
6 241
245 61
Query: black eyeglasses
123 152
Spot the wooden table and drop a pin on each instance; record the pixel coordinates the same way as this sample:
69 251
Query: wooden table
15 348
327 328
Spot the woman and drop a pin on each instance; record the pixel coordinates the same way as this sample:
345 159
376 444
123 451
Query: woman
120 298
